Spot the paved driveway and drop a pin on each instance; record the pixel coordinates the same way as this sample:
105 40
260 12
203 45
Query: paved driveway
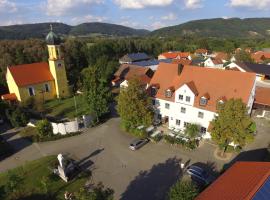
143 174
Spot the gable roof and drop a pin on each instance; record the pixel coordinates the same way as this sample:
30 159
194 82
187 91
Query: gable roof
259 56
255 68
221 55
30 74
217 61
244 180
129 71
175 54
133 57
262 96
214 82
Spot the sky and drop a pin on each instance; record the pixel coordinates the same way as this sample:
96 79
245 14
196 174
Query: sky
143 14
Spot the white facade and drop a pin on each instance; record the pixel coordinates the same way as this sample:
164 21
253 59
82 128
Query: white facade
209 63
182 111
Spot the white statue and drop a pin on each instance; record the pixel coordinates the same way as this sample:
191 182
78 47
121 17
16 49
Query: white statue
60 158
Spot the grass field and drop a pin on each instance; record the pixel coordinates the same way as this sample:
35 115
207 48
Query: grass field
34 172
65 108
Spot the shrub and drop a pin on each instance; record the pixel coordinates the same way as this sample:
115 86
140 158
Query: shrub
157 138
17 117
169 139
185 190
141 133
253 127
44 128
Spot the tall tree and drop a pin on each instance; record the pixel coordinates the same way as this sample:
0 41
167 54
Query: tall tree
243 56
134 106
96 92
232 124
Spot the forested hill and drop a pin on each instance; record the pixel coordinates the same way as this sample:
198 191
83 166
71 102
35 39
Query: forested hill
40 30
219 27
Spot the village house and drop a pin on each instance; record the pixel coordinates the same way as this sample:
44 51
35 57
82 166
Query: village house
189 94
201 52
129 71
175 55
261 57
213 63
262 70
133 57
41 81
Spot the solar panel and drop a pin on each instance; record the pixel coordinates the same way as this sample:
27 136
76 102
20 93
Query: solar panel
264 192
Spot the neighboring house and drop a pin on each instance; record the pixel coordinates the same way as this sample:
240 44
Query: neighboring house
129 71
175 55
242 181
198 61
201 52
152 64
213 63
261 57
189 94
262 70
262 98
181 62
42 81
133 57
222 56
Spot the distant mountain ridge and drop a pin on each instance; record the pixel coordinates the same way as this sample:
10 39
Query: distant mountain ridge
40 30
219 27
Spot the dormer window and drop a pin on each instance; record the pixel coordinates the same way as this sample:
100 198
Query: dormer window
203 101
168 93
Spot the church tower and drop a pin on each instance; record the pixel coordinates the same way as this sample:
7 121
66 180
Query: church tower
57 65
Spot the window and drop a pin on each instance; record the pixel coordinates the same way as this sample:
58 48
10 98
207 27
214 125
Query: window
59 65
153 91
171 118
31 91
153 102
168 93
183 110
181 97
177 122
157 103
203 101
47 87
167 105
187 98
203 130
200 115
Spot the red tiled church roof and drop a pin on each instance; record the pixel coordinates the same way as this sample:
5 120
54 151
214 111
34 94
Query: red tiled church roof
240 182
30 74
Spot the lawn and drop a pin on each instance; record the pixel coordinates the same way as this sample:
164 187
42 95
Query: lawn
34 172
65 108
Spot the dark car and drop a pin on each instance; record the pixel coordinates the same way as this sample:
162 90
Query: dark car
200 175
138 143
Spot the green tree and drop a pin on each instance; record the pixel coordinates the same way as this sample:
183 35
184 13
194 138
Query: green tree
134 106
98 192
44 128
183 191
14 185
192 130
243 56
96 91
232 124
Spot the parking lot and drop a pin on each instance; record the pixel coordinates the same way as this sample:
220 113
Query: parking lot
143 174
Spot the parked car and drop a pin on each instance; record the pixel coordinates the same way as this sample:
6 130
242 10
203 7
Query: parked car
200 175
138 143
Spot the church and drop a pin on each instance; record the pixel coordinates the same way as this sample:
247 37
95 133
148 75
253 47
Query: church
42 81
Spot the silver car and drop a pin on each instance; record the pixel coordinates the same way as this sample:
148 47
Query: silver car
138 143
200 174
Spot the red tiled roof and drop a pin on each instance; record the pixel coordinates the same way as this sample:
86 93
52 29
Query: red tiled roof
175 54
182 61
201 51
214 82
9 97
240 182
217 61
30 74
259 56
262 96
222 56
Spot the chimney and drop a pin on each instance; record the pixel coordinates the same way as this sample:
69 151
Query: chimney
180 68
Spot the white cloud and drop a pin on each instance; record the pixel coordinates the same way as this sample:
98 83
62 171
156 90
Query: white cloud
139 4
253 4
170 16
193 4
157 25
88 18
60 7
7 6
